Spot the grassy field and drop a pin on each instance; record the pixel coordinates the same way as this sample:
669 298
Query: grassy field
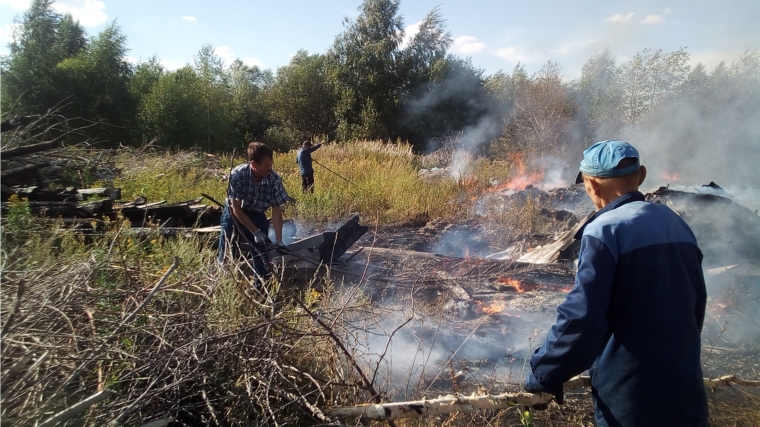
384 181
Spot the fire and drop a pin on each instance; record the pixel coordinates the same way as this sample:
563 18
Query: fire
495 307
516 284
522 180
670 177
520 287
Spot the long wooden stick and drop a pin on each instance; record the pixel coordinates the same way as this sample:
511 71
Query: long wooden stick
446 404
442 405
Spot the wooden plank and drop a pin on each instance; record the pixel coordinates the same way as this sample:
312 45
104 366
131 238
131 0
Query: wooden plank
553 252
113 193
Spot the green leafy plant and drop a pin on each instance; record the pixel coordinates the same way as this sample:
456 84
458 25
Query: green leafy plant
526 417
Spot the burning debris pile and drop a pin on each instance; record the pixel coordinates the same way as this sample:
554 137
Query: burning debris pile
468 303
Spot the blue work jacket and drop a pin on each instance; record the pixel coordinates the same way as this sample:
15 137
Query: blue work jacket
303 158
633 319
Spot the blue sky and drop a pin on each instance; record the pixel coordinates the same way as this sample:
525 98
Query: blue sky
495 34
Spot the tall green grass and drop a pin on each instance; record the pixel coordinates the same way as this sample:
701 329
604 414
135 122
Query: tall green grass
375 179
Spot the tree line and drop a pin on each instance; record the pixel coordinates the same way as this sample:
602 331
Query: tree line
368 85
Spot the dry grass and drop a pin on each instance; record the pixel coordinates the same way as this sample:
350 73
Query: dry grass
190 341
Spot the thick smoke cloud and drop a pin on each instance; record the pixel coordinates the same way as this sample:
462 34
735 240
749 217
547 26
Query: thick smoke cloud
702 143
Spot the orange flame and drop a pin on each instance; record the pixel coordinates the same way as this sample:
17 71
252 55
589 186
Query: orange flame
522 180
670 177
520 287
493 308
515 284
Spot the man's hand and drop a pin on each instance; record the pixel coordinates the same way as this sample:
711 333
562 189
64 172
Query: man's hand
534 386
559 397
259 237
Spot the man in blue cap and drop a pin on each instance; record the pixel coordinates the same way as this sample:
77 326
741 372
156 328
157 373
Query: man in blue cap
635 315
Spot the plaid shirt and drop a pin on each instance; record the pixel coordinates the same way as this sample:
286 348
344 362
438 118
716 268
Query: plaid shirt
256 196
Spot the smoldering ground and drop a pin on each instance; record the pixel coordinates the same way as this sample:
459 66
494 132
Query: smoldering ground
436 342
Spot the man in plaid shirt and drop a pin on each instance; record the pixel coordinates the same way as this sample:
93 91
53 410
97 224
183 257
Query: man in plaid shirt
253 188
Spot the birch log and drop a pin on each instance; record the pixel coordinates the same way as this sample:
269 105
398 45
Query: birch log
442 405
446 404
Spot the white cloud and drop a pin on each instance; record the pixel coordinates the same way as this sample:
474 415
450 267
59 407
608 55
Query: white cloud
189 18
515 54
228 57
467 45
251 61
666 11
171 65
409 32
89 13
653 19
225 52
17 4
132 60
619 19
570 47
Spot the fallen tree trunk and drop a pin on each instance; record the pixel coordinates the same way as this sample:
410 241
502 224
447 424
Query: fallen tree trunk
446 404
29 149
23 171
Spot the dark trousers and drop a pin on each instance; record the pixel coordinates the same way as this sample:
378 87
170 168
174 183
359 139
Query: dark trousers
231 234
307 182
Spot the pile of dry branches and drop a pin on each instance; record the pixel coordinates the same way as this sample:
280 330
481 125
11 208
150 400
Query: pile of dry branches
102 341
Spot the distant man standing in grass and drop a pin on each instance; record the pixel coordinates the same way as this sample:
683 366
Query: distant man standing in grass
635 315
253 188
305 167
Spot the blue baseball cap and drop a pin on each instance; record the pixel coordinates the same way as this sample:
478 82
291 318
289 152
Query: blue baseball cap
602 158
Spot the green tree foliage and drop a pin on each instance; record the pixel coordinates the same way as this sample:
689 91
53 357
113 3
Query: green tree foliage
214 88
170 113
302 101
366 57
43 39
96 81
539 122
649 78
51 63
599 98
370 85
249 85
503 87
426 49
205 105
70 38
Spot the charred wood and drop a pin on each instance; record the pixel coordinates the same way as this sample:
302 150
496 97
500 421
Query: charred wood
23 171
29 149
